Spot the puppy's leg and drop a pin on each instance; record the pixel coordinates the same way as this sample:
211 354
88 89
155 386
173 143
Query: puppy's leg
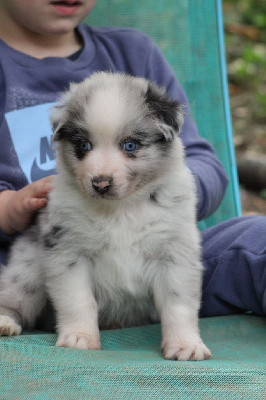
177 299
181 338
22 294
70 289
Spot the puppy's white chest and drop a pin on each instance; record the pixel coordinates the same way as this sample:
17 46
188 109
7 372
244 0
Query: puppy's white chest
114 272
120 277
120 262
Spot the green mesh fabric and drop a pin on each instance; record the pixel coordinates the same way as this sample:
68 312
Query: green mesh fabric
130 365
187 33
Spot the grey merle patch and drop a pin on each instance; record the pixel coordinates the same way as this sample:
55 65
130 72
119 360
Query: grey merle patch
31 289
51 239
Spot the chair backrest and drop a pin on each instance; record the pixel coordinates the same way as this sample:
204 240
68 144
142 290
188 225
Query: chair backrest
190 34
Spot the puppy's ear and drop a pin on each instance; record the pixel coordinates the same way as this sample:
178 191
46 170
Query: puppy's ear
61 112
169 112
57 117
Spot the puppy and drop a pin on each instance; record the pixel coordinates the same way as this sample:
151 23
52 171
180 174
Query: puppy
117 244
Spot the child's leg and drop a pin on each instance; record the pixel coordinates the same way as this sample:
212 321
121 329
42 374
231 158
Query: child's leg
234 256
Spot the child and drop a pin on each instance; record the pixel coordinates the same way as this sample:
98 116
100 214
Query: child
43 48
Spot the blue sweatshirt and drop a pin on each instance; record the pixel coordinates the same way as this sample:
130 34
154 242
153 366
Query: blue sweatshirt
29 87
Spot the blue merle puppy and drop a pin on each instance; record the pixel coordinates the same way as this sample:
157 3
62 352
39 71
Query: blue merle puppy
118 243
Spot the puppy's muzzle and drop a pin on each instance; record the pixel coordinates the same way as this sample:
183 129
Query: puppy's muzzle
102 184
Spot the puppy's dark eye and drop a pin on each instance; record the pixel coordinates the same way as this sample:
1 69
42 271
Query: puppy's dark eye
85 146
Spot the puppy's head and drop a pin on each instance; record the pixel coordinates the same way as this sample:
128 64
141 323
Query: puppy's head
115 134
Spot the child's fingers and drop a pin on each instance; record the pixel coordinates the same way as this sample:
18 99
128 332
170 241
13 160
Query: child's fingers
41 188
35 204
44 190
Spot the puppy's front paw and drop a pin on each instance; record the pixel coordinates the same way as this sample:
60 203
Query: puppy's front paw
79 340
186 351
8 327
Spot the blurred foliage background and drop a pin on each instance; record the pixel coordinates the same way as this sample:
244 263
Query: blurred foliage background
245 40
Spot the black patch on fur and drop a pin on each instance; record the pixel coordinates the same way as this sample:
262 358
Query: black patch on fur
148 138
164 147
154 198
49 242
50 239
165 109
75 135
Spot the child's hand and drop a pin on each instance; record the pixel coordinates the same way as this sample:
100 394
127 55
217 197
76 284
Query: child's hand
18 207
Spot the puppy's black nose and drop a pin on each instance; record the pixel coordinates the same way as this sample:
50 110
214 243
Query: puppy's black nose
102 183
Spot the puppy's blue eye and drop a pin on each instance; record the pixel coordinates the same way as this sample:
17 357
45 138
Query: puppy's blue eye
129 146
85 146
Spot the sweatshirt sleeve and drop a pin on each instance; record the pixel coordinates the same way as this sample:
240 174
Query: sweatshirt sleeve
209 173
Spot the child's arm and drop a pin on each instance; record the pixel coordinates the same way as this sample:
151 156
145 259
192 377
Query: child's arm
18 207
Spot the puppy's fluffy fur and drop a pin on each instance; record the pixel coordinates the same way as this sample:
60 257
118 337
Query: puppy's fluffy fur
118 242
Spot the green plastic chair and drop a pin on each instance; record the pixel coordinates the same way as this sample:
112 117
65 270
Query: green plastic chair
190 34
130 366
